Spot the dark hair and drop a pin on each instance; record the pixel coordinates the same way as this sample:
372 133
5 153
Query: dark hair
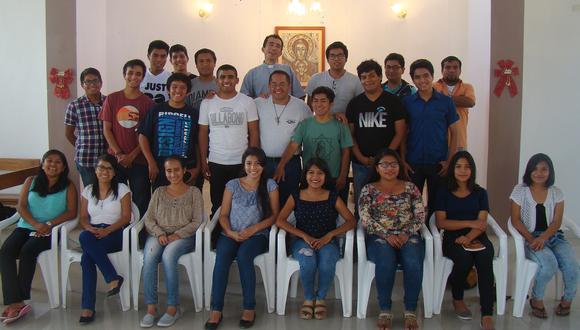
263 197
275 36
395 57
452 184
374 176
225 67
324 90
114 181
450 59
337 45
282 72
179 77
132 63
421 64
531 166
40 184
178 48
176 158
205 51
92 71
368 66
157 44
321 164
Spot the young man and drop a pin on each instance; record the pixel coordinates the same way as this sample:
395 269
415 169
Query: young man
394 69
178 58
344 84
376 120
154 84
205 61
228 123
82 115
255 82
321 136
279 115
122 112
460 92
431 115
170 129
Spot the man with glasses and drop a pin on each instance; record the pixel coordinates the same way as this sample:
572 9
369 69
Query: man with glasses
82 116
394 69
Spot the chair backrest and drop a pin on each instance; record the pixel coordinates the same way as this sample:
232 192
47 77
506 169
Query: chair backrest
135 216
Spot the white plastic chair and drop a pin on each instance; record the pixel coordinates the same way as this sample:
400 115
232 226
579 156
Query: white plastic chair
288 270
443 266
526 268
366 273
266 262
192 262
48 260
120 260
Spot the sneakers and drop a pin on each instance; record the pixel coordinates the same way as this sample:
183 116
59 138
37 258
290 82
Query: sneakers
167 320
147 321
21 312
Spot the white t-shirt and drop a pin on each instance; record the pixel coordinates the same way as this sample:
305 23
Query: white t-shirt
228 127
522 196
278 122
344 88
106 211
156 86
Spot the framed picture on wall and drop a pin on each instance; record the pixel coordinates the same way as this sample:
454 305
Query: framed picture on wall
303 50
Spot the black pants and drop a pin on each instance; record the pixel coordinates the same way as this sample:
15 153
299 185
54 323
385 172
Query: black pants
428 173
463 261
16 281
220 175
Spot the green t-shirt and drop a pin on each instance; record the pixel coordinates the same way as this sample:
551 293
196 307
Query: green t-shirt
323 140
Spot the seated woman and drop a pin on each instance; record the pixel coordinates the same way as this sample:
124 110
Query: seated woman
249 208
392 213
46 200
174 214
105 210
461 209
537 211
316 207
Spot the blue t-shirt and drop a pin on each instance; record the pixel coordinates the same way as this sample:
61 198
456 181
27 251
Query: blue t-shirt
461 208
245 210
428 125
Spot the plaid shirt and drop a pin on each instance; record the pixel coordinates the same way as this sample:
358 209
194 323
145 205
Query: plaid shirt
83 114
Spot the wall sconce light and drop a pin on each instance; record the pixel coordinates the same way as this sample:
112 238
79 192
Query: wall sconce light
296 7
206 8
315 7
399 10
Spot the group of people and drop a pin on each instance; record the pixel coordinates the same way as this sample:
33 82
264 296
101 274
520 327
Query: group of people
267 153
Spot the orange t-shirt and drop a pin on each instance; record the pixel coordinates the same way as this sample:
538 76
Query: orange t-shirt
461 89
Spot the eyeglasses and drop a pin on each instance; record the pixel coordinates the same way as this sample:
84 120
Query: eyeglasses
92 82
336 57
386 165
104 168
392 67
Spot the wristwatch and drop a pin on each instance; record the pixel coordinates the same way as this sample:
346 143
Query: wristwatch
49 224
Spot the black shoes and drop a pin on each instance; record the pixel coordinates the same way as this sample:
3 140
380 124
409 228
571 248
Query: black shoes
115 290
212 325
244 324
87 319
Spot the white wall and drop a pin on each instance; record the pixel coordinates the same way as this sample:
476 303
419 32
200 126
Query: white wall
550 111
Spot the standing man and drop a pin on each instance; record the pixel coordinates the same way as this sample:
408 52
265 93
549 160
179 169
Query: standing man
431 115
154 84
279 115
345 85
228 123
255 82
461 93
376 120
205 61
121 115
178 58
82 115
394 69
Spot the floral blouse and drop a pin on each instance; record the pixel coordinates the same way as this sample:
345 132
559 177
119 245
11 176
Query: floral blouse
385 214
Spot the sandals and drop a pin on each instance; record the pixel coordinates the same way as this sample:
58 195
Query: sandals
410 321
539 312
14 314
320 310
307 311
562 310
385 321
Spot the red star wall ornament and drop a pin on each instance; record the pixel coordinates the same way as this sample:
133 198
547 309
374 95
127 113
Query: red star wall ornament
61 79
505 73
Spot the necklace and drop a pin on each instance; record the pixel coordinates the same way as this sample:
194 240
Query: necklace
281 113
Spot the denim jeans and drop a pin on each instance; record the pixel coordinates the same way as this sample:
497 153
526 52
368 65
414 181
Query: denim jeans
87 174
168 255
292 170
95 255
245 252
556 254
360 176
310 260
387 258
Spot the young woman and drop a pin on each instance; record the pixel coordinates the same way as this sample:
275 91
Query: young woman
461 209
392 212
46 200
105 210
537 211
173 216
249 208
316 207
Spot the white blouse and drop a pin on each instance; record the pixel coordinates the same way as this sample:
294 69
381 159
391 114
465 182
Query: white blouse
522 196
106 211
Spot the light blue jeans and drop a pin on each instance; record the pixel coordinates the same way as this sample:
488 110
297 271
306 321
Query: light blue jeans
310 260
556 254
168 255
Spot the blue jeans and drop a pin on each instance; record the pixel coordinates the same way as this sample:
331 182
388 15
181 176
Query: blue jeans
245 252
360 176
387 258
87 174
95 255
556 254
310 260
168 255
293 170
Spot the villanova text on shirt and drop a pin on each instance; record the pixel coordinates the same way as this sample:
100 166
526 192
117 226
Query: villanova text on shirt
227 117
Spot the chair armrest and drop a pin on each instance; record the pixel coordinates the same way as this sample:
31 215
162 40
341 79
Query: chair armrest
199 233
436 236
360 243
134 233
501 235
349 244
9 221
207 230
64 229
570 224
518 242
281 238
272 238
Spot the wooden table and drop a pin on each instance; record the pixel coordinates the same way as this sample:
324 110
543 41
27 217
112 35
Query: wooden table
13 172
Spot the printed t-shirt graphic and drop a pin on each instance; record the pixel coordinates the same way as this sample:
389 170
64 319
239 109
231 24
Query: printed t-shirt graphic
156 86
173 134
128 116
